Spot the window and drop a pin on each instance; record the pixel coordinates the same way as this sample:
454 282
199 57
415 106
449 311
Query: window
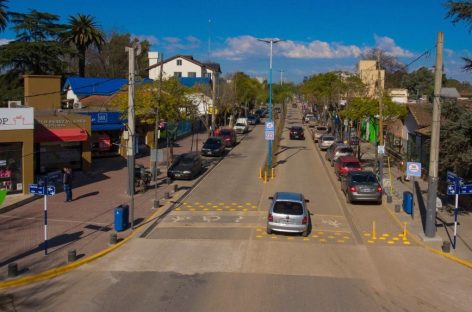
288 208
178 74
192 74
179 62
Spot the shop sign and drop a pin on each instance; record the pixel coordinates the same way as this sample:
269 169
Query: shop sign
61 123
16 118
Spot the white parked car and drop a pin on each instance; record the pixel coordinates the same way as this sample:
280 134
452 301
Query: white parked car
241 125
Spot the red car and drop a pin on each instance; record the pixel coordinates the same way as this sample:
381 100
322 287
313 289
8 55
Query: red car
228 136
345 164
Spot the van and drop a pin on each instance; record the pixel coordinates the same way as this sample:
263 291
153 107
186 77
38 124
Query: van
241 125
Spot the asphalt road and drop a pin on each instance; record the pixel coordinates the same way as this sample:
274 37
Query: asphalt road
211 252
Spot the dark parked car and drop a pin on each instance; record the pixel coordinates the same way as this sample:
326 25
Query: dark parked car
362 186
186 166
253 119
296 132
213 147
228 136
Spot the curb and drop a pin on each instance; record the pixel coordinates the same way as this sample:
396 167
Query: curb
68 267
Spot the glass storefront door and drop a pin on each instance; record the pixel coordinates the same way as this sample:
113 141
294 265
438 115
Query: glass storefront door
11 167
54 156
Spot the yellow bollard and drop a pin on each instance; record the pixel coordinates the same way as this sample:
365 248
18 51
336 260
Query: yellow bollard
272 173
374 235
265 176
260 173
404 231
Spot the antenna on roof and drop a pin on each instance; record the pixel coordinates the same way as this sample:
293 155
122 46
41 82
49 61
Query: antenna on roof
209 38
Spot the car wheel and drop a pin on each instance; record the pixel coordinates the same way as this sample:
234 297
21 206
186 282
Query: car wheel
305 233
269 231
379 202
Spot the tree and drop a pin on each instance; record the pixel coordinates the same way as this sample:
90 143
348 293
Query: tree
83 32
461 11
420 82
108 61
3 15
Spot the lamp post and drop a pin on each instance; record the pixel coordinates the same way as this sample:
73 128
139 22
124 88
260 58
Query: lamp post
270 41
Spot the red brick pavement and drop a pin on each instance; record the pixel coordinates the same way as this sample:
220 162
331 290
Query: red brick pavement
85 224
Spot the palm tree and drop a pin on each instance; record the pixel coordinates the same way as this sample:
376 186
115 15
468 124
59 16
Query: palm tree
83 33
3 15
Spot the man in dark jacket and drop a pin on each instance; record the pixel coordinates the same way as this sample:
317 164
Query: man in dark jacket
67 181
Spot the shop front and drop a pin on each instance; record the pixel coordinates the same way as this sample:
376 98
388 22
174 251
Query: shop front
107 132
16 149
62 140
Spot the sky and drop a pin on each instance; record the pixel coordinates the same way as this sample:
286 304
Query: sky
319 35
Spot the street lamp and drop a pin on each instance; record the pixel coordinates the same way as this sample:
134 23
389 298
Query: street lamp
270 41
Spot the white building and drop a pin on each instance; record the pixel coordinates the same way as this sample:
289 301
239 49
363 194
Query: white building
180 66
398 95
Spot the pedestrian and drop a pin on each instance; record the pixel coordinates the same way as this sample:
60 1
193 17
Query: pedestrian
67 181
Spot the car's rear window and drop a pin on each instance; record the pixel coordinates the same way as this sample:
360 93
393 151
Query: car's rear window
328 138
363 178
352 165
225 132
290 208
346 150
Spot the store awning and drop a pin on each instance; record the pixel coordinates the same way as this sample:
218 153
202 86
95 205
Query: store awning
107 127
52 135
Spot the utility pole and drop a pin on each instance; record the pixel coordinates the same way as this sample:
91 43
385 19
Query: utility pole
213 97
430 224
132 52
155 153
381 141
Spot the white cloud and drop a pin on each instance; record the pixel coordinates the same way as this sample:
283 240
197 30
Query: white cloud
241 47
449 52
175 43
150 38
5 41
388 45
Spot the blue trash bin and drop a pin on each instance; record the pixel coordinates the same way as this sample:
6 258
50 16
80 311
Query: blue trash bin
121 218
408 202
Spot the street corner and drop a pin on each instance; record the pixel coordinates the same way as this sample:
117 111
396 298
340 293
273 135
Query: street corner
217 206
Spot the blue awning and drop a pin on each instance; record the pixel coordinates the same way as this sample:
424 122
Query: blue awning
107 127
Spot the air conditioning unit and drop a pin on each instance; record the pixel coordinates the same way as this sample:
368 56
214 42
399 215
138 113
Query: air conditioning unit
13 104
77 105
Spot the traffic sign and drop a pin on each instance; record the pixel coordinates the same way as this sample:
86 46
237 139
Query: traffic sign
466 189
452 189
269 135
413 169
36 189
381 149
454 178
269 126
50 190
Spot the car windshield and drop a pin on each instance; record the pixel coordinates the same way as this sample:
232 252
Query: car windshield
364 178
352 165
240 124
289 208
186 160
328 138
345 150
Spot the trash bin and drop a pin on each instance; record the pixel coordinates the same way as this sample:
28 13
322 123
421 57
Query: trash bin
408 202
121 218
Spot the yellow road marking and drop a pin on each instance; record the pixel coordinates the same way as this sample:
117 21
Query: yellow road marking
290 238
315 236
209 203
366 234
385 235
205 209
245 209
406 243
219 209
322 240
258 230
215 206
320 233
331 236
346 237
248 204
306 239
339 241
221 204
192 209
390 242
395 238
234 204
370 241
177 209
259 236
232 209
383 238
274 237
254 206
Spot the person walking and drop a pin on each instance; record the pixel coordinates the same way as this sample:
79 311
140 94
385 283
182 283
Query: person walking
67 181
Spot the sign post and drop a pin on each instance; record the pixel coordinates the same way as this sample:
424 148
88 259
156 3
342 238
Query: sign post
456 186
45 190
413 169
269 134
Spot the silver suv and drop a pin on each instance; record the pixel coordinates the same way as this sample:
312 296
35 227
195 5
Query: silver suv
288 213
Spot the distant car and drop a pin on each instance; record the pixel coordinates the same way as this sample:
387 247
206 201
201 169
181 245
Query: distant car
213 146
229 137
241 128
354 140
336 150
260 112
186 166
296 133
325 141
318 132
362 186
346 164
253 119
288 213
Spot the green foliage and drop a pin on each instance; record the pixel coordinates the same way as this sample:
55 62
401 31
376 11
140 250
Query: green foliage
282 93
464 86
420 82
3 15
247 90
460 11
468 64
362 107
36 26
456 139
172 106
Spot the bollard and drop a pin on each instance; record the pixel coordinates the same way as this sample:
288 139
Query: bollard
71 255
404 231
272 173
12 269
389 199
374 234
446 247
113 238
157 204
397 208
260 173
265 176
167 195
176 188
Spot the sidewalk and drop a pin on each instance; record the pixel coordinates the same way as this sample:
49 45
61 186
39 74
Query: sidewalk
86 223
394 186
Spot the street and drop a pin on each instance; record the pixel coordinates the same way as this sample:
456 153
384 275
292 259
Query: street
212 253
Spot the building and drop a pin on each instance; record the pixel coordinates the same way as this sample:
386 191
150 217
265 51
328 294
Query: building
181 66
399 96
369 74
